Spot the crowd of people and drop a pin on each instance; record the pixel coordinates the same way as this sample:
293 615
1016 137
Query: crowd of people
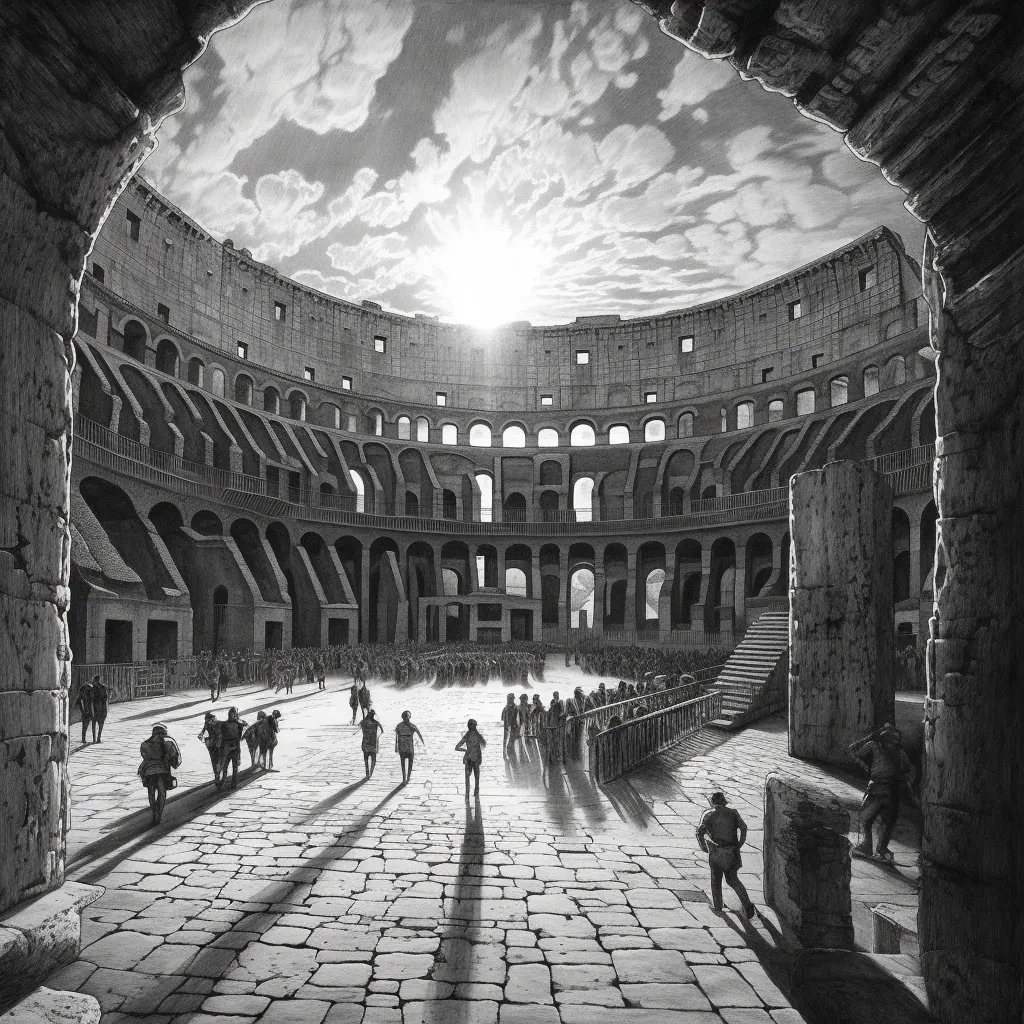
910 668
636 662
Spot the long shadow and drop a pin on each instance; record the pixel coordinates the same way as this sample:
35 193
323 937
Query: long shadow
585 794
242 712
136 826
175 707
333 801
628 803
453 961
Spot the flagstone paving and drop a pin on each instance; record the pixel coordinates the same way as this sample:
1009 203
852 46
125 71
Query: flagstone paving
311 895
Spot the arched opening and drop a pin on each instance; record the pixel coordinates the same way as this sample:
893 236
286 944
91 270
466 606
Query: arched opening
895 372
686 425
547 437
619 434
377 424
243 389
652 594
744 415
929 522
723 419
839 391
412 503
422 429
549 506
480 436
871 379
550 473
486 485
805 402
654 430
331 415
583 499
901 556
404 428
360 486
167 358
582 436
297 406
217 381
581 598
207 523
513 509
776 410
759 564
513 437
688 577
515 582
272 401
196 371
449 434
135 340
220 618
449 504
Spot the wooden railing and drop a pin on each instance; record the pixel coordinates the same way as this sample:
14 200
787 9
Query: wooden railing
618 750
136 680
656 701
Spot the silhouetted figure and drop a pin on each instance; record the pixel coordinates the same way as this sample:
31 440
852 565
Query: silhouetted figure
472 743
364 699
266 737
405 737
371 730
211 736
725 832
353 700
510 723
100 699
881 755
251 737
159 755
84 705
231 746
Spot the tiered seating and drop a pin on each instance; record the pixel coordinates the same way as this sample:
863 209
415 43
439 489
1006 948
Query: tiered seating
753 681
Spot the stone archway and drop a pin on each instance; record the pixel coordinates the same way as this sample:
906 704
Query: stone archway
928 92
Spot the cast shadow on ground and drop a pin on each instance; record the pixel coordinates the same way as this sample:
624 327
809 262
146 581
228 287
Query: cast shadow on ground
181 707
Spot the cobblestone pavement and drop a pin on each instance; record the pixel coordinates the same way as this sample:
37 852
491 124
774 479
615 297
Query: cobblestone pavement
312 895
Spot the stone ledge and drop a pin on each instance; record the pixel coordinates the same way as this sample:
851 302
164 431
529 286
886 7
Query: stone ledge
38 937
45 1006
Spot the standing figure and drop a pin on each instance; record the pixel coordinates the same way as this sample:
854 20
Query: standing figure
472 743
888 768
364 699
321 673
574 709
722 828
537 718
353 700
524 716
251 737
405 735
210 735
159 755
371 729
266 737
84 704
554 729
231 746
510 722
100 699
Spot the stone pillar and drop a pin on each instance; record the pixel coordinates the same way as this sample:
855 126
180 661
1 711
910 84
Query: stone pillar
600 584
364 599
841 683
564 620
807 862
630 613
739 592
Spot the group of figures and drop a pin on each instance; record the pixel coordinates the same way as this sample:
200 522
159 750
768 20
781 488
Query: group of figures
92 702
635 662
279 670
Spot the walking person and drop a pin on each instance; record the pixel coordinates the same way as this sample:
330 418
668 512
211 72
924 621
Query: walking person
405 736
510 724
472 743
210 735
251 737
554 731
84 705
231 746
353 700
364 699
267 729
888 767
100 700
724 831
371 730
159 755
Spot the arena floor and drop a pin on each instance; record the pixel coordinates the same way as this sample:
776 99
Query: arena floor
312 895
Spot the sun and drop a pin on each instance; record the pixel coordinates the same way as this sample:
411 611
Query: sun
484 272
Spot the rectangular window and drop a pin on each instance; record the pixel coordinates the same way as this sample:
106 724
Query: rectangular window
309 373
816 360
280 311
795 310
380 343
766 374
134 224
163 312
547 399
346 383
243 350
685 342
582 357
97 272
441 398
867 278
651 397
351 424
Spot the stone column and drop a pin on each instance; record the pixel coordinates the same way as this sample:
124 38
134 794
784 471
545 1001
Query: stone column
600 585
630 612
364 598
841 618
563 589
739 592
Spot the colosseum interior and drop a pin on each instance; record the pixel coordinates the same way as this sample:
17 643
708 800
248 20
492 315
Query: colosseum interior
200 453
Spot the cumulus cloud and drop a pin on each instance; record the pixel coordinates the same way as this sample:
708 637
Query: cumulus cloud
693 81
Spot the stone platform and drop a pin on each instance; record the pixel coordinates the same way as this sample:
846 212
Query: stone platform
312 895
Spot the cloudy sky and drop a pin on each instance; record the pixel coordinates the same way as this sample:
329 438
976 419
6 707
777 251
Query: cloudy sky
486 162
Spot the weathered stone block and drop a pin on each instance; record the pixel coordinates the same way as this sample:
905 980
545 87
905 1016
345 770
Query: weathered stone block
807 862
841 676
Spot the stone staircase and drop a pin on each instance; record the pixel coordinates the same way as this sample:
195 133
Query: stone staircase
754 680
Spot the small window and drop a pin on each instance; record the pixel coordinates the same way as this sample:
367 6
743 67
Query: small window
766 374
280 311
654 430
380 343
775 410
449 434
163 312
795 310
547 399
404 428
870 381
651 397
744 415
243 350
582 356
378 424
346 383
839 391
97 272
723 419
308 373
351 423
422 429
685 343
618 434
686 425
805 402
513 437
480 435
134 224
547 438
441 398
816 360
867 278
582 435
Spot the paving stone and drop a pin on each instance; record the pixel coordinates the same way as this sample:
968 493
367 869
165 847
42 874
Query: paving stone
287 1011
251 1005
745 1016
697 940
528 983
121 950
452 1011
402 965
651 965
665 996
356 975
602 1015
725 986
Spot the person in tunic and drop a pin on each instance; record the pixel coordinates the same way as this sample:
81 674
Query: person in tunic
888 767
554 729
524 716
100 699
725 832
159 755
84 705
353 699
266 737
210 735
405 737
510 722
364 699
251 737
231 746
472 743
371 730
537 719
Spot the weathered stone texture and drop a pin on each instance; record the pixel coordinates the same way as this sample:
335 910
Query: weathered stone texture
807 862
841 681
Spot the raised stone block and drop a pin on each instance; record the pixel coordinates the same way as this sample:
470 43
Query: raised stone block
841 641
45 1006
807 862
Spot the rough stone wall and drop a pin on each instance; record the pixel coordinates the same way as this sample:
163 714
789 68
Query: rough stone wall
807 862
841 627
